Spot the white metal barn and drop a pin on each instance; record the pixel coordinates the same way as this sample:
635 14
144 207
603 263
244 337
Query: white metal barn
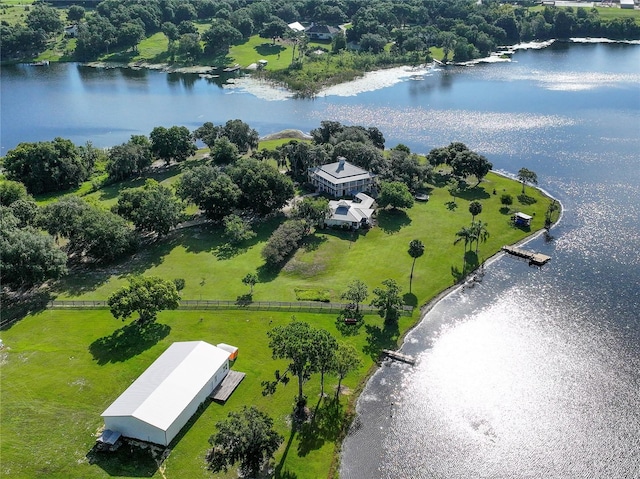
161 401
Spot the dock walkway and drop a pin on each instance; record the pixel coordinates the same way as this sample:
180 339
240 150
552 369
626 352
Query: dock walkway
534 258
224 390
405 358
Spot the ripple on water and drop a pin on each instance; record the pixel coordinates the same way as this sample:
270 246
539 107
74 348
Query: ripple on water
513 390
490 132
607 220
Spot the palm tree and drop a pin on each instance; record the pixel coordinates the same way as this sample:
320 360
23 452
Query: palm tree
416 249
480 233
466 233
475 208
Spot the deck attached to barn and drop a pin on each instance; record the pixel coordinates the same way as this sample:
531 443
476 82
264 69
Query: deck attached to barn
224 390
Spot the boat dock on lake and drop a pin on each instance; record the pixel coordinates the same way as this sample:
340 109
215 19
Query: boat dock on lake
405 358
537 259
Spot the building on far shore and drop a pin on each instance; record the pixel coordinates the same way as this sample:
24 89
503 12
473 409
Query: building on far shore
341 179
321 32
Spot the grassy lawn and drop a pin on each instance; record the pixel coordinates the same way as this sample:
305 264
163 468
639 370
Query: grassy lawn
329 260
14 11
61 369
607 13
256 48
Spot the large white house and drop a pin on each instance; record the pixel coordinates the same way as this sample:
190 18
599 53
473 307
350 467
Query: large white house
351 214
340 178
161 401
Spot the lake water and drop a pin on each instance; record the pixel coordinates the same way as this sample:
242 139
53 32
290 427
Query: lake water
532 373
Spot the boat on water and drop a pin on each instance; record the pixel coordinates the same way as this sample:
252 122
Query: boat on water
42 63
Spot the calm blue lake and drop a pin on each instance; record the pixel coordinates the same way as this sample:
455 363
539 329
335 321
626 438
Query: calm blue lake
532 373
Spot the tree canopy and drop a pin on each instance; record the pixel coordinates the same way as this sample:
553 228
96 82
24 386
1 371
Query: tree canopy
347 359
172 144
264 189
47 165
152 208
130 159
284 241
247 438
29 257
309 350
416 249
395 194
525 176
145 295
11 191
356 293
91 232
388 301
211 189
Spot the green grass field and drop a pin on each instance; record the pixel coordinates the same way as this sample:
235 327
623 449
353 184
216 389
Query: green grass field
329 260
256 48
60 369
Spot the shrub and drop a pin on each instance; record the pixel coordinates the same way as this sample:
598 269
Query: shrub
506 199
284 241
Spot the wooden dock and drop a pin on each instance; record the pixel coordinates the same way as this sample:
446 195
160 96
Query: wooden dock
224 390
537 259
405 358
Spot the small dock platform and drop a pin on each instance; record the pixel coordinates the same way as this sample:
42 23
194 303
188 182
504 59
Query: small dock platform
224 390
405 358
537 259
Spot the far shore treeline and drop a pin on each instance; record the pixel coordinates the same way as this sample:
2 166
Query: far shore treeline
347 38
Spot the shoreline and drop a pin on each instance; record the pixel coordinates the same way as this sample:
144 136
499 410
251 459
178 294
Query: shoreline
502 53
424 311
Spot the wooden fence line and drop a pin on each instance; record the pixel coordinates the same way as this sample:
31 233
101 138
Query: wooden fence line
213 304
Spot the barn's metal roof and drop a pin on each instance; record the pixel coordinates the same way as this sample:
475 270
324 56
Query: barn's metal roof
167 387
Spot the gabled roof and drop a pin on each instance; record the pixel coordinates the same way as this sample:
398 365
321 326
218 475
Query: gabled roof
319 29
167 387
351 211
296 26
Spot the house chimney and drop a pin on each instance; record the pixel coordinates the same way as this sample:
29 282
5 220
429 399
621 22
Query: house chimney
341 160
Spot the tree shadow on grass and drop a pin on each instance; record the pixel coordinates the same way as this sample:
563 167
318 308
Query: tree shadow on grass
14 308
139 459
267 273
112 190
381 338
131 459
325 426
313 242
280 471
127 342
349 327
228 251
410 299
392 221
471 263
451 205
475 193
266 49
